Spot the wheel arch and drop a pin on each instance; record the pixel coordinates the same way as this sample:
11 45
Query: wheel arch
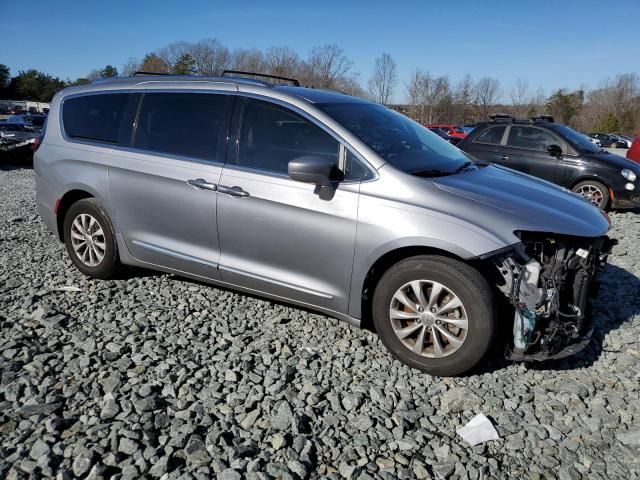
598 179
65 203
386 261
583 178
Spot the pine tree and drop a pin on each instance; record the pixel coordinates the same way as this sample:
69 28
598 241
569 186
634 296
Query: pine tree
185 65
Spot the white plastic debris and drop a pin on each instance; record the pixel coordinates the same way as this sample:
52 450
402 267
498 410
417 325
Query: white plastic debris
68 288
478 430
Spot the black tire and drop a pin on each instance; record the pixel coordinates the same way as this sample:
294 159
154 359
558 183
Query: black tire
614 145
468 285
110 263
604 191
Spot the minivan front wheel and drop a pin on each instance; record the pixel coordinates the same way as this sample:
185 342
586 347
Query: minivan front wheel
435 313
90 239
595 192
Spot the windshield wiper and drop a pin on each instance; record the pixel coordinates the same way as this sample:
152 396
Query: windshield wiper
434 172
463 167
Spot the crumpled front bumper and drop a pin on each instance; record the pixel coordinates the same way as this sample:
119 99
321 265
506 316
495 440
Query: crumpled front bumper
550 281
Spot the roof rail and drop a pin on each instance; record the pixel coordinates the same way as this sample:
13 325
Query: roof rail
142 73
295 82
505 117
542 118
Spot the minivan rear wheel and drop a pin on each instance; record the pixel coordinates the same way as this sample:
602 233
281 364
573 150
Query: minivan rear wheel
90 239
595 192
435 313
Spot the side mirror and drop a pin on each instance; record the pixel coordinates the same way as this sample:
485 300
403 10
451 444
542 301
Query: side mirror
554 150
311 169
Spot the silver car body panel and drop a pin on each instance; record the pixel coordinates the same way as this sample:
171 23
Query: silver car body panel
283 241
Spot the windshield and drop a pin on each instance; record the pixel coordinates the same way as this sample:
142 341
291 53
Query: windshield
403 143
577 139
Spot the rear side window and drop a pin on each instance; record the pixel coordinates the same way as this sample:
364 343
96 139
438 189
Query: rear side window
530 138
492 136
94 117
184 124
271 136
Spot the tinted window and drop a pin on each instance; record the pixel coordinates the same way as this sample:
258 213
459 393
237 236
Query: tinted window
530 138
400 141
271 136
354 169
578 140
492 136
94 117
185 124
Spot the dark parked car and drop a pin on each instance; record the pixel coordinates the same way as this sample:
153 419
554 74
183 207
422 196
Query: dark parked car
442 134
33 123
556 153
608 140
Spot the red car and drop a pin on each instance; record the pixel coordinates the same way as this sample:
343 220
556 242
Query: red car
451 130
634 152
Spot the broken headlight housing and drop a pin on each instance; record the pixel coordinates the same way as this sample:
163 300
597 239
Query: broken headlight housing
548 279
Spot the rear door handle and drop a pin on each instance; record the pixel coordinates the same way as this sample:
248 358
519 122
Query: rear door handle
233 191
202 184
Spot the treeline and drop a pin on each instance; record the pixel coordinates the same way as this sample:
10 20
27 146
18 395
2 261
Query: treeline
612 106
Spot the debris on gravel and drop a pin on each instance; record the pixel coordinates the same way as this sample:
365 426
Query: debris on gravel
156 376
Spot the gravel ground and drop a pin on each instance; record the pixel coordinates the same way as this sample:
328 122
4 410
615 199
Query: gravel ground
153 375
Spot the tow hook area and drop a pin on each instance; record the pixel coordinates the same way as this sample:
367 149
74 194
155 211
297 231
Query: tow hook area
548 280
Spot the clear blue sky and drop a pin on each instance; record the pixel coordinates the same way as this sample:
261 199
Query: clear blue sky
552 44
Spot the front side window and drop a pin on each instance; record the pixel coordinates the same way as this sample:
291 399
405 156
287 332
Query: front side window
94 117
577 139
530 138
183 124
354 169
492 136
403 143
271 136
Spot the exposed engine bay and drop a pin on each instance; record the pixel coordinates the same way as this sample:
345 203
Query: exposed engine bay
548 279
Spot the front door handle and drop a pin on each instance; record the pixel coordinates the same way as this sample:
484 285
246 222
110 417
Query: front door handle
233 191
202 184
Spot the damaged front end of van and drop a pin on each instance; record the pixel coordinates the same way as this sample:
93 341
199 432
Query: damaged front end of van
549 279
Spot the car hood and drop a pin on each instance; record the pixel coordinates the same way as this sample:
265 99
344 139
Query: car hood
614 160
532 204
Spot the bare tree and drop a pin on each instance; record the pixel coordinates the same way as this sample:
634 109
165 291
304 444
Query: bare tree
427 95
463 98
282 61
487 92
518 95
210 56
131 66
384 78
325 65
172 52
93 75
247 60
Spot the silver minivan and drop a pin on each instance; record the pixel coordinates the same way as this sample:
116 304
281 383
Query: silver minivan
326 201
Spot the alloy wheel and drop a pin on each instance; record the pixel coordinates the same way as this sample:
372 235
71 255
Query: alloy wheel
87 239
428 318
591 193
